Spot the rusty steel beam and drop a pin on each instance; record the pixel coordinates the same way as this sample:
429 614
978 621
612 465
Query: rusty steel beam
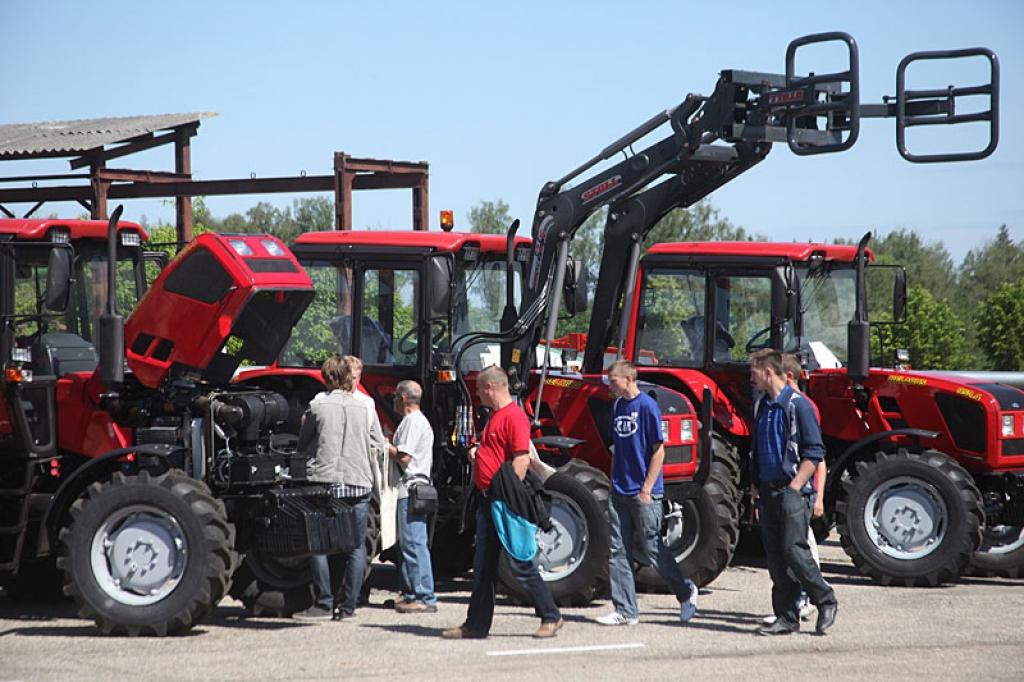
143 144
57 176
152 177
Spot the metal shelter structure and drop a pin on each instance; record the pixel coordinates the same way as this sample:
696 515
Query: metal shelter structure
92 143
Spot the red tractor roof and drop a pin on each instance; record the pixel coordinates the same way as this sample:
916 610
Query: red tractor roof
792 251
442 241
38 229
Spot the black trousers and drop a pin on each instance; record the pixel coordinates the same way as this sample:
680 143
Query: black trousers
784 517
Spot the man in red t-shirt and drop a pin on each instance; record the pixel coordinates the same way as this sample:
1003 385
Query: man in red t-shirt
505 438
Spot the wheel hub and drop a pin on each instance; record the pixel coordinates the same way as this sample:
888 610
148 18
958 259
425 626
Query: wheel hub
906 518
563 547
139 555
1001 539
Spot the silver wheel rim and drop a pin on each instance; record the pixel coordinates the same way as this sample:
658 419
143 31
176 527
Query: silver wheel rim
561 550
138 555
1001 539
906 518
677 537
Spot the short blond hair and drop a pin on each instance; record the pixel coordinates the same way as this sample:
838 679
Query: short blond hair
493 375
623 368
339 372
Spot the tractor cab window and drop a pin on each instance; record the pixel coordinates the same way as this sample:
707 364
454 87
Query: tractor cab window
827 302
390 320
672 320
89 290
478 304
326 326
743 306
31 318
380 304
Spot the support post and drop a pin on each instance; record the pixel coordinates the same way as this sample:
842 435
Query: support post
183 166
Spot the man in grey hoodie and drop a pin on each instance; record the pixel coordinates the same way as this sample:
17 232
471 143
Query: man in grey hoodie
343 435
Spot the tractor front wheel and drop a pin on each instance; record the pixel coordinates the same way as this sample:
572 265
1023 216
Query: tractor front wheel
910 518
147 555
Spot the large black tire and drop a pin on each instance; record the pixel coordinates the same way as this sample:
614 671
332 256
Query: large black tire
910 518
1001 552
280 586
701 532
272 586
574 556
147 555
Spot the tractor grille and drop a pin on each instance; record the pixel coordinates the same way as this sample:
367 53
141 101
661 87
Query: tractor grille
1013 447
965 419
678 454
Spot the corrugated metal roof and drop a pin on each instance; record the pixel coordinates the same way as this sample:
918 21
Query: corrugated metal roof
73 137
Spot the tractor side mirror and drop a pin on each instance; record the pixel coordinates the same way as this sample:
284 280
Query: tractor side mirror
574 289
784 295
439 287
899 296
58 279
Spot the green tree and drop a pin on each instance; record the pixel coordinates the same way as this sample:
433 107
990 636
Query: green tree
1001 326
932 332
490 217
702 222
985 269
928 265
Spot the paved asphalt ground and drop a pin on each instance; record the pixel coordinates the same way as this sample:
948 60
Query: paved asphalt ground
970 630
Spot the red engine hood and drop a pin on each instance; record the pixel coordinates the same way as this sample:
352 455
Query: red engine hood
222 300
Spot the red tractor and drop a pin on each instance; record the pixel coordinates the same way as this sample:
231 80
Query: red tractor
926 469
128 456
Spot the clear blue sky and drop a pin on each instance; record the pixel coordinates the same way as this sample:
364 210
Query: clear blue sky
500 99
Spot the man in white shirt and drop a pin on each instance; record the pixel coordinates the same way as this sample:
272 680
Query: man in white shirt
412 451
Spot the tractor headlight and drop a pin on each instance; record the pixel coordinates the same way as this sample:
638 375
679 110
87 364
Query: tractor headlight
21 354
1007 424
664 429
131 239
687 430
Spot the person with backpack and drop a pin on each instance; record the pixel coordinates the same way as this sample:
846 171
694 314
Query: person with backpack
786 449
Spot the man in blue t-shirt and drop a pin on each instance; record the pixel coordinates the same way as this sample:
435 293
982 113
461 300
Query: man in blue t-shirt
634 505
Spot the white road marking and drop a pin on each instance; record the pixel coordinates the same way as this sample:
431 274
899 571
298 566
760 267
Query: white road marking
565 650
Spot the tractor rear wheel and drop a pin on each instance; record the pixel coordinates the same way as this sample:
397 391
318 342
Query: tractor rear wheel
574 555
1001 552
910 518
701 532
147 555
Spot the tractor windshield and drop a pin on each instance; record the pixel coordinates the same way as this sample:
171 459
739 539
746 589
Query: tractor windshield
478 303
827 302
88 297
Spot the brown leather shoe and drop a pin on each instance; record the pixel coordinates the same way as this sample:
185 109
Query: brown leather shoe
462 632
414 607
549 630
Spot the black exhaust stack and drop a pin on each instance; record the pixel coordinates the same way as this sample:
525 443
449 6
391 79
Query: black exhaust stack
111 324
858 332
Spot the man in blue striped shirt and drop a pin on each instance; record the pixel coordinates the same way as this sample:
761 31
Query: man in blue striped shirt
786 449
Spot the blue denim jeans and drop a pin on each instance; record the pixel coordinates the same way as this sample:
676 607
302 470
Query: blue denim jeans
485 575
784 517
414 572
627 516
338 578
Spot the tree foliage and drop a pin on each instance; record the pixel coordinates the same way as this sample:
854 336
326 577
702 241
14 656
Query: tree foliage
932 333
1001 326
490 217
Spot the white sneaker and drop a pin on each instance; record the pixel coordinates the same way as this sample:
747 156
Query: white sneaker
688 608
769 620
616 618
807 610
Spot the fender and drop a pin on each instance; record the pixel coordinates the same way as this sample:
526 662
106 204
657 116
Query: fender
152 457
835 470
